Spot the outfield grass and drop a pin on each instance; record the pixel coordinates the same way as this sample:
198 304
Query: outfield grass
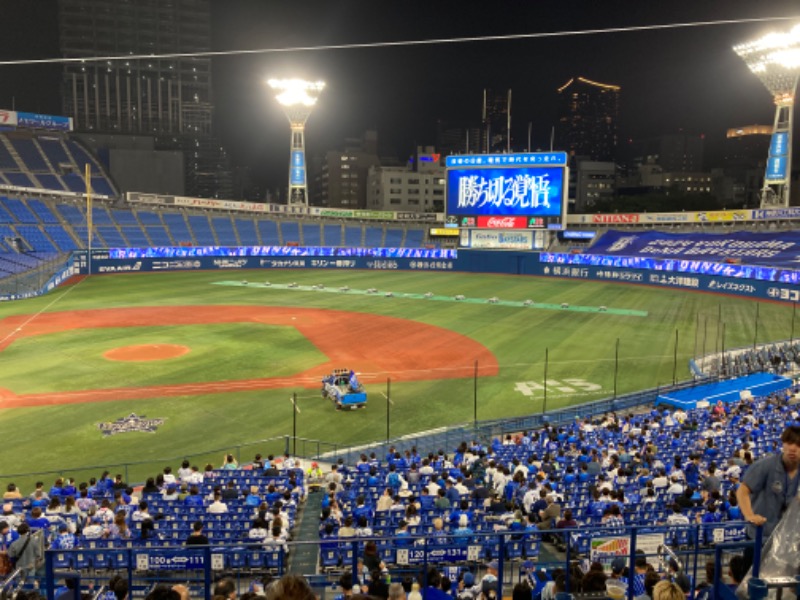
581 348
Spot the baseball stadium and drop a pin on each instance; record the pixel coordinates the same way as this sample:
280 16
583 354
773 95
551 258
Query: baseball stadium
205 397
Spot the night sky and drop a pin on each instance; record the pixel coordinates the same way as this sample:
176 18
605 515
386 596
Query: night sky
674 79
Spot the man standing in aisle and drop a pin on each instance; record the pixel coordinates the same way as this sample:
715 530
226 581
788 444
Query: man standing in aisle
770 484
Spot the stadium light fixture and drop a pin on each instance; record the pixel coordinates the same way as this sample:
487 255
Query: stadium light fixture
298 98
775 60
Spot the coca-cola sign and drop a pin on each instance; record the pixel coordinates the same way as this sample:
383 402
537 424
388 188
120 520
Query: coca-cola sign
503 222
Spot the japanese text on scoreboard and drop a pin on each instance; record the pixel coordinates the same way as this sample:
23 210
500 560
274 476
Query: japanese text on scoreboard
483 187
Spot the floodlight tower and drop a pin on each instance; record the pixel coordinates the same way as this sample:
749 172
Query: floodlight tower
775 60
298 98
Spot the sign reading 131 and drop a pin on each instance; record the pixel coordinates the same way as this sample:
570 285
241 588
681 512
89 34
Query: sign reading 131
566 386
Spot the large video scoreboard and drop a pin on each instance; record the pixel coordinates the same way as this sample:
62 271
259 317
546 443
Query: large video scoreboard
507 191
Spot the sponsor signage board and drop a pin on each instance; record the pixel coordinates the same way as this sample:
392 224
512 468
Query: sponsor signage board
8 118
170 561
503 222
39 121
498 239
577 235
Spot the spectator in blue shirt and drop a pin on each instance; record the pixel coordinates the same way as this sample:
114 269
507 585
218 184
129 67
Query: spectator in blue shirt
194 498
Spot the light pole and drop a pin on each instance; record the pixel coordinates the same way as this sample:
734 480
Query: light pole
298 98
475 395
775 60
295 412
389 402
546 364
675 361
616 366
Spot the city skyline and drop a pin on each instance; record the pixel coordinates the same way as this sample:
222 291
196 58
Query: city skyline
683 78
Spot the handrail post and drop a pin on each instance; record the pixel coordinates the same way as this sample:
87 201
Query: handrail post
632 562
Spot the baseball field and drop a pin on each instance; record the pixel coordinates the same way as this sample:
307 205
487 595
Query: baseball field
211 359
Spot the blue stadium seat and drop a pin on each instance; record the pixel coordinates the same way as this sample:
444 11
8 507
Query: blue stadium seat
290 231
7 162
178 228
55 152
352 236
202 231
20 210
332 234
373 237
329 558
30 154
49 181
42 211
268 230
246 230
394 238
62 560
225 232
71 214
20 180
159 235
415 238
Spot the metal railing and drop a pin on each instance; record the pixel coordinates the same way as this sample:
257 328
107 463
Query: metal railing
517 554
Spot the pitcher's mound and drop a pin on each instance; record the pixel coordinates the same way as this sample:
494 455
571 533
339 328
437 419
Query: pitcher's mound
146 352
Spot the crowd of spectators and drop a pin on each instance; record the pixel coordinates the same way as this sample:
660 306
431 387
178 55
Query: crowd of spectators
669 467
72 515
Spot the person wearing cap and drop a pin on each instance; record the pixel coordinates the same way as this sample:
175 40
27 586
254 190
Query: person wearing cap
170 492
618 566
314 477
489 580
467 590
402 537
64 540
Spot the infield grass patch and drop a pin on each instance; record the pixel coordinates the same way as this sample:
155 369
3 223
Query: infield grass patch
73 360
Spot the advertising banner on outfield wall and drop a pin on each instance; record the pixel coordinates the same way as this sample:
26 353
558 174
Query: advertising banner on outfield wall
740 280
676 265
675 280
770 248
210 263
500 240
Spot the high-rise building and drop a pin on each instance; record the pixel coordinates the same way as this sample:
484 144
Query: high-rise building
746 151
169 99
452 138
342 179
587 120
416 187
496 122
